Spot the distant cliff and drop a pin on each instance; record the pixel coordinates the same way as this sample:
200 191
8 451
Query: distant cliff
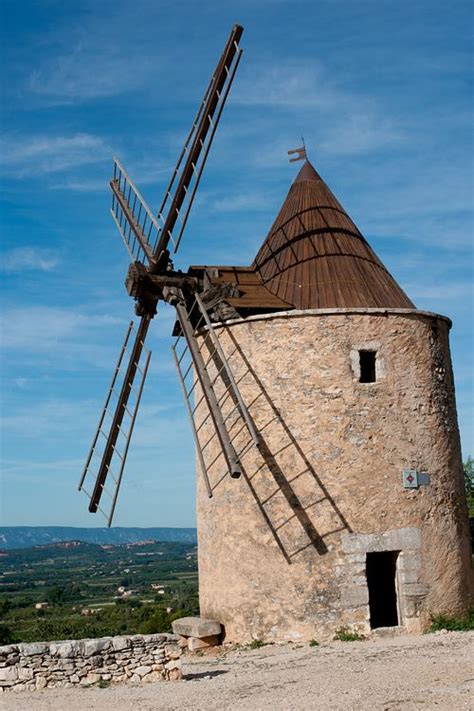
28 536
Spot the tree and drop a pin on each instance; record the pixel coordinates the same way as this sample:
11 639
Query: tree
6 635
158 622
468 467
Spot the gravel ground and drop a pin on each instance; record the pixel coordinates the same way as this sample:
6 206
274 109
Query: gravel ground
429 672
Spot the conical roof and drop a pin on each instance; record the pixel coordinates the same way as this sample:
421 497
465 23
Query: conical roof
315 257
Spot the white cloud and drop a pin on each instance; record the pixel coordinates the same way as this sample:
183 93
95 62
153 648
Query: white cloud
64 339
458 291
238 202
42 327
53 418
24 156
87 72
291 85
28 259
359 133
82 186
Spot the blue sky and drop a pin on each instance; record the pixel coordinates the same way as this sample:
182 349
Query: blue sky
380 89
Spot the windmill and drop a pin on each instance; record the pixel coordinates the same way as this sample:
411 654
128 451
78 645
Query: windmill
151 277
312 377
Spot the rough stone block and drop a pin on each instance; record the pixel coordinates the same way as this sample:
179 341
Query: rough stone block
10 649
143 670
9 674
173 664
120 643
196 627
173 651
92 678
409 576
156 638
66 649
398 539
410 560
355 596
153 676
29 650
94 646
416 589
195 643
41 682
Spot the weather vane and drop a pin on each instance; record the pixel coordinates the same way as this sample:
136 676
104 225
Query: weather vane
300 153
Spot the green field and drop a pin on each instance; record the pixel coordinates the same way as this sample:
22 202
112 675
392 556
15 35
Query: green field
92 590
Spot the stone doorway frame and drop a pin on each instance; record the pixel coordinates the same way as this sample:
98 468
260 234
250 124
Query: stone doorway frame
351 572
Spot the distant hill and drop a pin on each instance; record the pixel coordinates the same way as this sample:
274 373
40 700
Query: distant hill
28 536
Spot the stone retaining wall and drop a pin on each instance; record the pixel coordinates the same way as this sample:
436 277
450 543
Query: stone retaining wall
137 658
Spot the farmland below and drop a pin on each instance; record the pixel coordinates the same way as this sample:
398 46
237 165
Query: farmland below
72 590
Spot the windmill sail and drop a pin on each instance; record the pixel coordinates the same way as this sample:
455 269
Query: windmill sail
108 453
134 219
184 182
146 238
218 389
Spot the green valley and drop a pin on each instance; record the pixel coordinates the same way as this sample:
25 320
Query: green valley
71 590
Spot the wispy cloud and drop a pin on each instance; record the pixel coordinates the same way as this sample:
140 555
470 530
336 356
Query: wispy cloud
87 71
238 202
24 156
66 339
349 122
359 132
41 327
28 259
81 186
289 85
448 291
53 418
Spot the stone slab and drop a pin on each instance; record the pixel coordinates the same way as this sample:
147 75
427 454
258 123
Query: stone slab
195 643
196 627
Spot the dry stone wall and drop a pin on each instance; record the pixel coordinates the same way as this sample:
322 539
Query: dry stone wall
69 663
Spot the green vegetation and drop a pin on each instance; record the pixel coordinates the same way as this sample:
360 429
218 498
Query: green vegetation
344 634
88 590
256 644
453 624
468 467
469 484
313 643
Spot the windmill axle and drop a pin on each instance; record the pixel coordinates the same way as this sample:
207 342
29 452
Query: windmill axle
144 287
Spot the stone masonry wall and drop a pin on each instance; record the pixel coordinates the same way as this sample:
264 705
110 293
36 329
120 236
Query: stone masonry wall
282 550
136 658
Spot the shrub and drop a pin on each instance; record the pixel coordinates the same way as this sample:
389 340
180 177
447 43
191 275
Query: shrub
344 634
313 643
256 644
453 624
6 635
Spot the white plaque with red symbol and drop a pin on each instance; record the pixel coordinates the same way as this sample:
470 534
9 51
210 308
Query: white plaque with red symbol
410 478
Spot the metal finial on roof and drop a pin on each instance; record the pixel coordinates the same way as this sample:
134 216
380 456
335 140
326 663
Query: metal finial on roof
301 153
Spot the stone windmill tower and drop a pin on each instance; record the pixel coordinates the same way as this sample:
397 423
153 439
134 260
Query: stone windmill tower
351 512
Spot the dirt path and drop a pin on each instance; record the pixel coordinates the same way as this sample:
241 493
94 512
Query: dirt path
403 673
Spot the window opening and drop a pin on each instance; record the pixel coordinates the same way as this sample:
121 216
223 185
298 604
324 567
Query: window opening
381 570
367 366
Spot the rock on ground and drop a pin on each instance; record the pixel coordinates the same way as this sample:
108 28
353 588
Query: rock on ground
398 674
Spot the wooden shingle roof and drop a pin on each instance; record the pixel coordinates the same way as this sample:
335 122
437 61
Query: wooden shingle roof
315 257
